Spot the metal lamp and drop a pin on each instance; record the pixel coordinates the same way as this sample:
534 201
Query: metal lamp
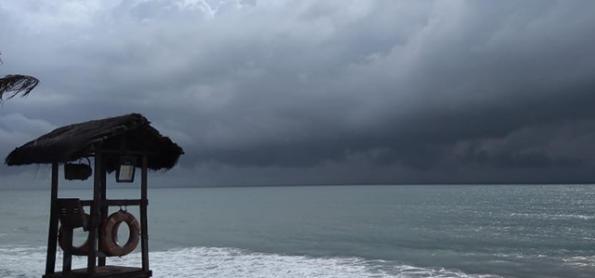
125 171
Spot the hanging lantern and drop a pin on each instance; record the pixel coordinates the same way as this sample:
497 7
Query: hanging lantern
77 171
125 171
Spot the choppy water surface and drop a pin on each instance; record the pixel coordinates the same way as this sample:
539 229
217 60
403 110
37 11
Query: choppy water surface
342 231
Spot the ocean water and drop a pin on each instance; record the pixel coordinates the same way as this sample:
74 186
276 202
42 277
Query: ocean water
337 231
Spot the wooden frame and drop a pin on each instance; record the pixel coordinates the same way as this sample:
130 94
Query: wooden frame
50 263
99 209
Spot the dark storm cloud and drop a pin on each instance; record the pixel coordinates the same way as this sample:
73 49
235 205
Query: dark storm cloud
321 91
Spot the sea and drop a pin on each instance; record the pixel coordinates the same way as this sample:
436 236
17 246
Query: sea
336 231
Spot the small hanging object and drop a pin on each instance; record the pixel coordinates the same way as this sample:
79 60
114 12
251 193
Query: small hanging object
125 171
66 242
72 215
77 171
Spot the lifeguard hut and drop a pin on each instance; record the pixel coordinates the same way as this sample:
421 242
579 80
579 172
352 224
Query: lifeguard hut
119 144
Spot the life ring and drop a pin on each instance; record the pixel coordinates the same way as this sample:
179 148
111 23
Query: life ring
109 234
82 250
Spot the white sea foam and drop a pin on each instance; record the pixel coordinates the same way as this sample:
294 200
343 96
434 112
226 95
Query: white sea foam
553 216
25 262
580 261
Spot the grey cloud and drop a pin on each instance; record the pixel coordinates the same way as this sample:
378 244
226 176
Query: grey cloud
347 91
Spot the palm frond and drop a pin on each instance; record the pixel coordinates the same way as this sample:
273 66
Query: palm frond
14 84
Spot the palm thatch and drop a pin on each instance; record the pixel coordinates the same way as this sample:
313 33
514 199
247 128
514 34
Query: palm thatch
15 84
115 136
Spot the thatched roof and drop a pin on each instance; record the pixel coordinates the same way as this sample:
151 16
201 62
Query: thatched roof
131 132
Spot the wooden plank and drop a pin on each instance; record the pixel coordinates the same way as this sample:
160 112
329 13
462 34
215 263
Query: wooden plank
50 262
104 272
124 202
67 255
95 215
143 215
104 210
115 202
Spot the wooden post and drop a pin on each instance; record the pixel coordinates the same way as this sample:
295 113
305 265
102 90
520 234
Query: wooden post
95 213
104 210
143 215
50 262
67 255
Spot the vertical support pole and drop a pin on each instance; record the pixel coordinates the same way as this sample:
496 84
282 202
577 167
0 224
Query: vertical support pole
95 214
50 262
66 255
104 210
143 215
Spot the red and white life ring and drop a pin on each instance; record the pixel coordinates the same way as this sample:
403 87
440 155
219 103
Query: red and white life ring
109 234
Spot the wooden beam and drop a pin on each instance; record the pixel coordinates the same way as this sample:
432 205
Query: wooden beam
95 215
115 203
104 210
50 262
143 215
67 255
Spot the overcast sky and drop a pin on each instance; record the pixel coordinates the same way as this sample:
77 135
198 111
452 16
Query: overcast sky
317 92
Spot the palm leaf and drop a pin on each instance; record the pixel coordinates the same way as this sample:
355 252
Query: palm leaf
14 84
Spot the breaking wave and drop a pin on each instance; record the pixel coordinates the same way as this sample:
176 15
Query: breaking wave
26 262
554 216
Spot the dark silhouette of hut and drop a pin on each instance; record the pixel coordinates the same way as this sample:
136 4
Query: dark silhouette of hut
118 144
